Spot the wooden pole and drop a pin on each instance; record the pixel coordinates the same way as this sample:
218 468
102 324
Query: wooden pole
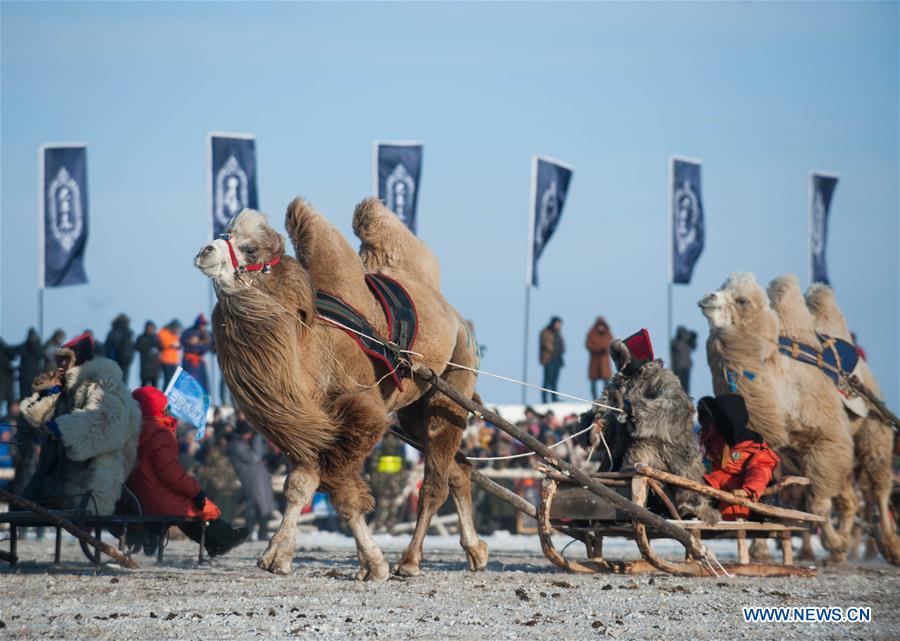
25 504
638 512
886 415
728 497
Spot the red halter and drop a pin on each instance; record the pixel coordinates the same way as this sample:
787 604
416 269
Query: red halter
265 268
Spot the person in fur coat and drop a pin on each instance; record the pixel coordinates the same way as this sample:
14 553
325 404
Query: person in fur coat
656 424
95 423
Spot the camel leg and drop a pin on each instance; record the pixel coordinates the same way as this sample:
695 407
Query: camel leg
806 552
759 551
874 445
445 423
461 491
299 487
829 466
362 420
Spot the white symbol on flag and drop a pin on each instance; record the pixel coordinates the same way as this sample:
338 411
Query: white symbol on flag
687 217
818 225
548 212
231 190
66 222
400 188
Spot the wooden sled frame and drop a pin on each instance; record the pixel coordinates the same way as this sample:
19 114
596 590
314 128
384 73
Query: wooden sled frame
592 534
640 524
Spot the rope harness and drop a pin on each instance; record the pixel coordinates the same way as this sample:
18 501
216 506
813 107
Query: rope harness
265 268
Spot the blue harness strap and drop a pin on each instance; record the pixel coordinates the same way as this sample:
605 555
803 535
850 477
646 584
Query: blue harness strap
832 356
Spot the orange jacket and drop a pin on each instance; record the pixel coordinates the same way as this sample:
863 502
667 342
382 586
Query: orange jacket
170 346
159 480
747 466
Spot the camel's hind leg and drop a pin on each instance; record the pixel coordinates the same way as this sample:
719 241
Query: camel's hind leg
299 487
829 464
445 422
874 445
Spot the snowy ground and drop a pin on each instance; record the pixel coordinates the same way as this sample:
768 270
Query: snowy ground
520 595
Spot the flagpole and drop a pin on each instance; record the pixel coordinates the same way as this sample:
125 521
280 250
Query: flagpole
669 223
529 274
212 235
41 241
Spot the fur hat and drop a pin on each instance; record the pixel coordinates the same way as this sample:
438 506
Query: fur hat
640 346
201 321
729 413
77 351
151 400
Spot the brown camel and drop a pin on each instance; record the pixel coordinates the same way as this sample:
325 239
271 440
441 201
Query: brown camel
873 440
788 401
308 387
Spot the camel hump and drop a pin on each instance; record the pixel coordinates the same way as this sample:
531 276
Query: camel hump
300 222
386 244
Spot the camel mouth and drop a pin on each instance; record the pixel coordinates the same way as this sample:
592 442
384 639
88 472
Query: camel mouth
708 302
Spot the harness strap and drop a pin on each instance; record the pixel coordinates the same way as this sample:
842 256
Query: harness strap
265 268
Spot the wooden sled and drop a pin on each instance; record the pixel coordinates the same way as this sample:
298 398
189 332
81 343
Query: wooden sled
567 508
588 507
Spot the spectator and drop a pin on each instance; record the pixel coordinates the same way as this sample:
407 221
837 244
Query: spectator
6 455
218 473
169 339
7 374
684 343
95 422
164 487
197 341
120 344
56 341
28 441
148 346
599 338
31 361
552 349
246 451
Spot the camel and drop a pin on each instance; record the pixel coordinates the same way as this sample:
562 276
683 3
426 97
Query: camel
306 385
873 440
789 402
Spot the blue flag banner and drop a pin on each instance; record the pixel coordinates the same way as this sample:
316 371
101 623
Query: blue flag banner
821 189
687 231
398 167
232 159
187 400
549 186
64 213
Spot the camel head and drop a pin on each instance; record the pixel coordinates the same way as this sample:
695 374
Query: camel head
740 304
253 246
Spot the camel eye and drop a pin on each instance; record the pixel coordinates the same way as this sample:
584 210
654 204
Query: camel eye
742 301
248 249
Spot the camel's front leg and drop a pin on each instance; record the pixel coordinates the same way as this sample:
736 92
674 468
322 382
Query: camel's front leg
299 487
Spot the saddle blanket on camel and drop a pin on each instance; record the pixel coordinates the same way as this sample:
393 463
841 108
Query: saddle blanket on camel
834 357
402 319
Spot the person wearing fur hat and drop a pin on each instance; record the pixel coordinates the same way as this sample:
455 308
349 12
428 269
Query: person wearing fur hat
93 423
165 487
742 462
654 424
196 342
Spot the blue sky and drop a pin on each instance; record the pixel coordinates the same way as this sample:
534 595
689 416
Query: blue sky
761 92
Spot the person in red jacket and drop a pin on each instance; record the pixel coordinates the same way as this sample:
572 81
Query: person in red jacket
742 462
165 487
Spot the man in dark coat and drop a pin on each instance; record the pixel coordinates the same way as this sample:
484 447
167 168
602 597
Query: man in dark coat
7 374
552 349
31 361
120 344
683 344
148 346
246 451
598 340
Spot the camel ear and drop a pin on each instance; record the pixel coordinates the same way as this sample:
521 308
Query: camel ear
298 221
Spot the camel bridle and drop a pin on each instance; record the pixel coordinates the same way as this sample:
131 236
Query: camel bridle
264 267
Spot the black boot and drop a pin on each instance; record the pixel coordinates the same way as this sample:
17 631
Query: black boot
221 537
